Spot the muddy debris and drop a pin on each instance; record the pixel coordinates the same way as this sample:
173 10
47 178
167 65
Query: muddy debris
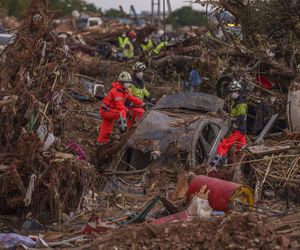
138 190
32 84
233 232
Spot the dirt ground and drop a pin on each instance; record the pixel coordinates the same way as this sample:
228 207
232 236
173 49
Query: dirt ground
245 231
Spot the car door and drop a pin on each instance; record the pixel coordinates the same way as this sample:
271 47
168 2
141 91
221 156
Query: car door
208 140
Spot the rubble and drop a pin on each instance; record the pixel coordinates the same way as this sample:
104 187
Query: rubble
234 231
32 89
156 175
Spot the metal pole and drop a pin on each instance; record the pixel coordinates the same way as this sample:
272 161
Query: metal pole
164 16
158 13
152 12
170 16
169 7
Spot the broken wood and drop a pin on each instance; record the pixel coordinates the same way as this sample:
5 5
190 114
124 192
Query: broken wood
263 149
132 172
175 59
9 100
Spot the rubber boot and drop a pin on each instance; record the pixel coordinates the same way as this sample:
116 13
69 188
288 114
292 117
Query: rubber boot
122 125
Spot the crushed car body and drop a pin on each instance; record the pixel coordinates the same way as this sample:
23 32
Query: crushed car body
185 125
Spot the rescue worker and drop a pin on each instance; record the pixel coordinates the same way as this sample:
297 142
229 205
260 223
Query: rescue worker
147 45
126 49
238 118
113 107
138 89
122 40
163 44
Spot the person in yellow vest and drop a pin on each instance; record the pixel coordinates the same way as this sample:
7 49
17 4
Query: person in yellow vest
163 44
147 45
125 46
121 40
137 89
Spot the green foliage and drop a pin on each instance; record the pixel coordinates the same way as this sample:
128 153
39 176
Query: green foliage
15 7
112 13
186 16
18 7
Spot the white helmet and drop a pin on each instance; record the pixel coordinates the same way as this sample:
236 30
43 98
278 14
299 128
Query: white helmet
125 77
139 66
234 86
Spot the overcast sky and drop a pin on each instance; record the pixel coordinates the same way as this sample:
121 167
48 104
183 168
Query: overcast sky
138 4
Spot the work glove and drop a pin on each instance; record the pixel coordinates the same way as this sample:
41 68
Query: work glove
122 125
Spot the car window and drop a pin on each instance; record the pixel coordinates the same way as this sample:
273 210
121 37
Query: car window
206 141
210 132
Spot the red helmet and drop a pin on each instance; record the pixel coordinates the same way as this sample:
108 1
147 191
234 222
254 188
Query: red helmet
132 35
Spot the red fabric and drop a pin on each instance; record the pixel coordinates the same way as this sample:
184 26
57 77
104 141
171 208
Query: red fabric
236 138
117 96
108 119
136 114
113 108
132 35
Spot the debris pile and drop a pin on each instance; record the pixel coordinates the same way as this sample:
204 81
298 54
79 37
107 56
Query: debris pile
235 231
51 87
271 168
32 90
271 42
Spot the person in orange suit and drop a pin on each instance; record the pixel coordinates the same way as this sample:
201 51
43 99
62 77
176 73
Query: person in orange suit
113 107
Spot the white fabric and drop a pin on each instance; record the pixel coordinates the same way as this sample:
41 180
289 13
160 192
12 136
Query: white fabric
199 208
30 190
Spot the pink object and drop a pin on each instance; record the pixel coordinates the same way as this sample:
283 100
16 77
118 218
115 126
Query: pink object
77 149
94 225
265 82
182 216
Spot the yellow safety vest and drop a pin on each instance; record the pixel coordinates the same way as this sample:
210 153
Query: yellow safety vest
159 47
138 92
128 50
148 46
122 41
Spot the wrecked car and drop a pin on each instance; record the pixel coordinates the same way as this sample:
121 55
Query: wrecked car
184 125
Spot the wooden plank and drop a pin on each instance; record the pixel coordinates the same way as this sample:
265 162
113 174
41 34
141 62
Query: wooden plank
264 149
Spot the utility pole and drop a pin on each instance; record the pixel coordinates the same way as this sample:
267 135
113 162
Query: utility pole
164 16
158 13
155 16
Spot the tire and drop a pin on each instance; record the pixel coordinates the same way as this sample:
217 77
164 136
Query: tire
222 84
104 50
